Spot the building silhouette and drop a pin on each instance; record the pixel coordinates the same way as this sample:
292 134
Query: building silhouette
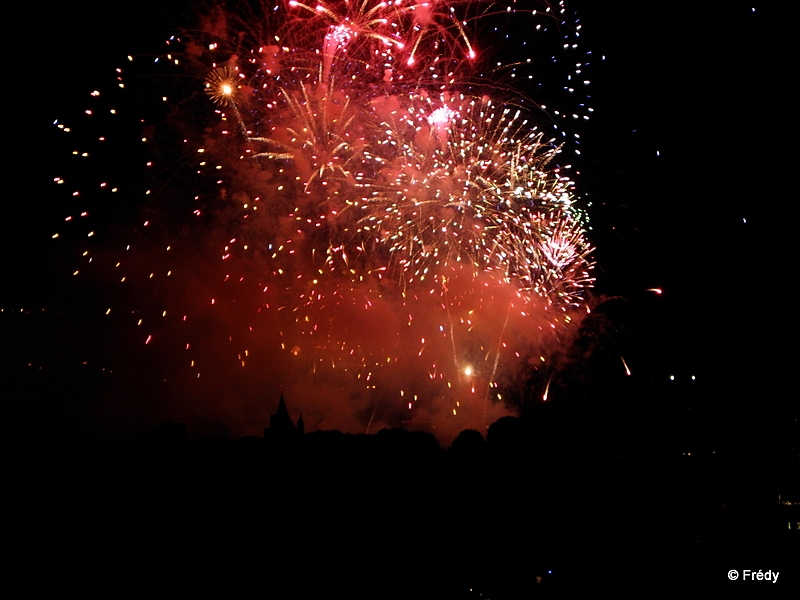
281 426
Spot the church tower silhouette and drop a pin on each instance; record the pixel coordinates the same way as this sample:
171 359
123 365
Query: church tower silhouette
281 425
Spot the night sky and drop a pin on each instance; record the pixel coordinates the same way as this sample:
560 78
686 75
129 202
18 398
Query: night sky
681 162
147 331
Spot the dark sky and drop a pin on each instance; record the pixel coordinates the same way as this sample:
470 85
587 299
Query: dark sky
681 162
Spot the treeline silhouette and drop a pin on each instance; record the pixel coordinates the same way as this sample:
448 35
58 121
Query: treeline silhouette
535 508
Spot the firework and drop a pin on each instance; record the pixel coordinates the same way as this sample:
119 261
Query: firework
471 186
223 86
398 231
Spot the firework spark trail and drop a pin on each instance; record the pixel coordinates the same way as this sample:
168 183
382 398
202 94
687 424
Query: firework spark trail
378 188
490 382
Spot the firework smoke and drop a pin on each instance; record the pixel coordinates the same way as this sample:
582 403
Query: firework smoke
394 244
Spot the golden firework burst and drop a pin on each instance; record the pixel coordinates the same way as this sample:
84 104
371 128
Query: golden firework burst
222 86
